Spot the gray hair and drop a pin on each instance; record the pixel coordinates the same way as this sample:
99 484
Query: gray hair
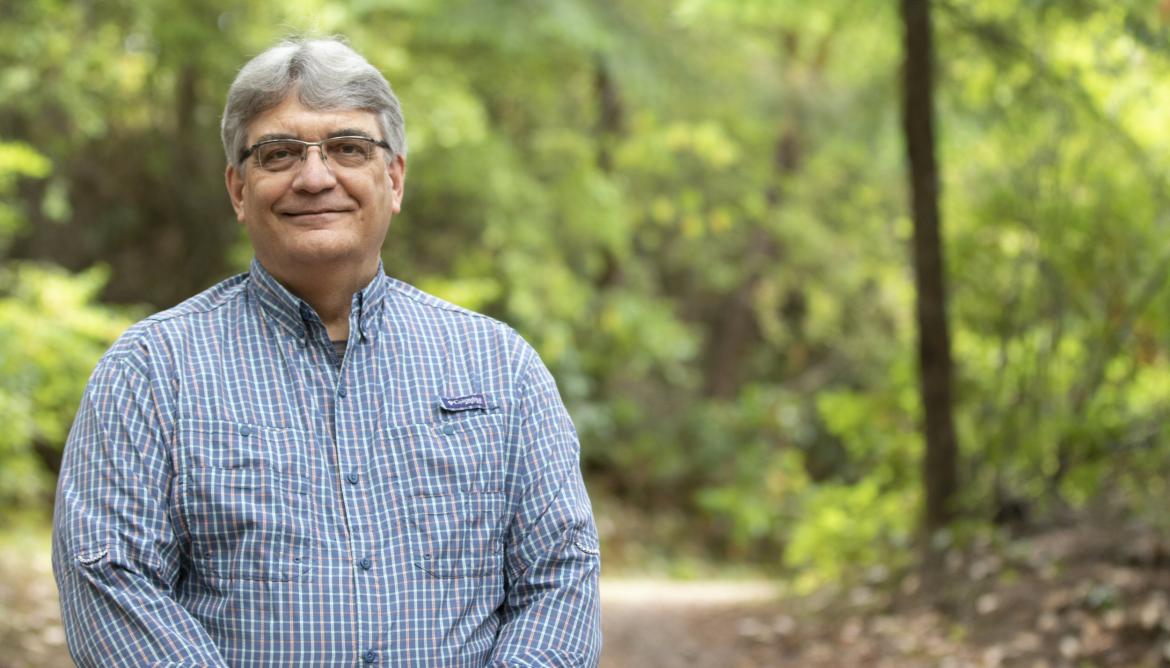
326 74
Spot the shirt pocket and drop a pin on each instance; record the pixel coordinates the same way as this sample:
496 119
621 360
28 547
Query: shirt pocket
458 536
245 524
459 455
248 517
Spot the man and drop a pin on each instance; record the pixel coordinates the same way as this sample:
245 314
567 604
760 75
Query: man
314 464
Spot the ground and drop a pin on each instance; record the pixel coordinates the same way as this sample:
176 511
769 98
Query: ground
1078 596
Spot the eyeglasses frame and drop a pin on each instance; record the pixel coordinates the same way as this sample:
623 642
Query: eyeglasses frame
251 150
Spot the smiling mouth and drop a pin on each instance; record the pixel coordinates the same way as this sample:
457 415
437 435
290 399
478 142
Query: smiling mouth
309 214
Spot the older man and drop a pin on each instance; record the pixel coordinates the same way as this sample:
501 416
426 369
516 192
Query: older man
313 464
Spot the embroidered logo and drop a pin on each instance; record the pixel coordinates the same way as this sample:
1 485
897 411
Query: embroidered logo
467 403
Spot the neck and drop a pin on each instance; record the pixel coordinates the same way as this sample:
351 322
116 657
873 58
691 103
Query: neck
329 291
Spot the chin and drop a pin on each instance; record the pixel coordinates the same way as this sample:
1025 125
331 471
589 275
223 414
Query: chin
328 255
323 245
308 254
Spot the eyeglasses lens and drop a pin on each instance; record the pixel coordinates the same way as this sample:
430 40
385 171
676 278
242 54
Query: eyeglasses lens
279 156
349 152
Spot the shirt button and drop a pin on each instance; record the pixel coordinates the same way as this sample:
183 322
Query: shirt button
352 478
448 429
341 392
370 656
244 430
365 563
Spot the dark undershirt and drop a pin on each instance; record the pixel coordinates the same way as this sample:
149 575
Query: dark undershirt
339 346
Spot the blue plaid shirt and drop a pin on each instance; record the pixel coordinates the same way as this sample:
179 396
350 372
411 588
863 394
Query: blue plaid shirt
232 493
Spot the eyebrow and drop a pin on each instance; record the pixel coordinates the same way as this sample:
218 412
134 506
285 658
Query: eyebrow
349 132
273 135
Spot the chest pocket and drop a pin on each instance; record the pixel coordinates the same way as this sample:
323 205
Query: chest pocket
463 455
242 500
452 475
459 536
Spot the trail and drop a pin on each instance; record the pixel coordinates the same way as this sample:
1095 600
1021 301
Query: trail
651 623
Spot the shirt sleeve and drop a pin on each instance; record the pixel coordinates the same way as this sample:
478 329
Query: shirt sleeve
115 555
552 612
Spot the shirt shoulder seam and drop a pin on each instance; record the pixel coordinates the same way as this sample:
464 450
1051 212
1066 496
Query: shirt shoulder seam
184 311
426 299
122 348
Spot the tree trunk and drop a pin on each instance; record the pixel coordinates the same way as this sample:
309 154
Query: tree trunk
940 465
610 126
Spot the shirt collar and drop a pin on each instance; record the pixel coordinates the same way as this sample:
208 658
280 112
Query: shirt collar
295 314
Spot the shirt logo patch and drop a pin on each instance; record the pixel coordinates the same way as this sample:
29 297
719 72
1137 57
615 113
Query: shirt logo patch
467 403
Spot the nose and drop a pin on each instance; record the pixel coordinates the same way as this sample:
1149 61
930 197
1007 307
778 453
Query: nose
314 174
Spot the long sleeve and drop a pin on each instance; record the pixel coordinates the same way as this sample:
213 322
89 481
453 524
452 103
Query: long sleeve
115 554
552 614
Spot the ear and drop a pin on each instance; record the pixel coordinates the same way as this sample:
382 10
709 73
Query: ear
396 170
235 187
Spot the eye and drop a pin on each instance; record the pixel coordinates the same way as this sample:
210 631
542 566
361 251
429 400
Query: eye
348 147
349 151
279 155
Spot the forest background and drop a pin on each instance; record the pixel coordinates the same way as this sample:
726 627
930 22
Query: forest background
698 212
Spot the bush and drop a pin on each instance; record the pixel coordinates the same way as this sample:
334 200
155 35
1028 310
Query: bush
54 331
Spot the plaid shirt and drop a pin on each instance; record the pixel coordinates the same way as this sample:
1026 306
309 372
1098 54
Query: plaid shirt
234 494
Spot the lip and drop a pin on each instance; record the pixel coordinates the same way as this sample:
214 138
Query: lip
314 215
312 212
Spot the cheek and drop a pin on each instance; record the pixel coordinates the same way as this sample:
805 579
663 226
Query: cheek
260 197
372 196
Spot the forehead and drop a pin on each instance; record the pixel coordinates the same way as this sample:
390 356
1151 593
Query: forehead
292 118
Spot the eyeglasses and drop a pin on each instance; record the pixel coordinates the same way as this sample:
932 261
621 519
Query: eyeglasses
278 155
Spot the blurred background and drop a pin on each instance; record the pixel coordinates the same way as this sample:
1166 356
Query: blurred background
698 211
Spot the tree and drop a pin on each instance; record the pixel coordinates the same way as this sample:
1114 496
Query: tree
940 463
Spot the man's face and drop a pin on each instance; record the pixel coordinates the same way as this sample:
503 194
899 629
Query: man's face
316 215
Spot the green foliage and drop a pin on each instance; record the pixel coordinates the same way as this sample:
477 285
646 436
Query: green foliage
756 497
53 332
17 160
845 530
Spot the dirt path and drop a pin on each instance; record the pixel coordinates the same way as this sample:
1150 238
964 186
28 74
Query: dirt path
30 620
652 623
748 625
